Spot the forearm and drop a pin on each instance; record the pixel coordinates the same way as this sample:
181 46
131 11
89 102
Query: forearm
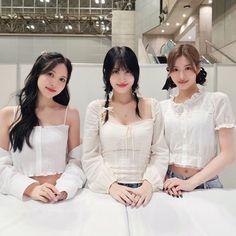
213 168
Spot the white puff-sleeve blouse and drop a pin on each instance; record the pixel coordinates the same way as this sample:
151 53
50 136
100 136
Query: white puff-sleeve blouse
123 153
191 127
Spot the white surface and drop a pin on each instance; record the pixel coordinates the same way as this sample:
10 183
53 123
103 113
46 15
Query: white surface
200 213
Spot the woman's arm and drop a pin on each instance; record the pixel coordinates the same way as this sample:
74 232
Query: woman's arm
73 177
11 181
214 167
159 158
99 175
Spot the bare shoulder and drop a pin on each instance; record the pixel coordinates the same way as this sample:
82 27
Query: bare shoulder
147 102
73 115
146 106
7 115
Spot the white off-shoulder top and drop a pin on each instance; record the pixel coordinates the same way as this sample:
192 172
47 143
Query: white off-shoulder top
191 127
48 156
123 153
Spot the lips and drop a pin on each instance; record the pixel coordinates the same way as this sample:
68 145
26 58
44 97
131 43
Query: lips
122 85
51 90
183 82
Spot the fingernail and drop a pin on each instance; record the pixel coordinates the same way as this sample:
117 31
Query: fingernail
181 195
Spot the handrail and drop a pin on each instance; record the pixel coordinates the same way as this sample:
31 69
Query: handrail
148 46
212 45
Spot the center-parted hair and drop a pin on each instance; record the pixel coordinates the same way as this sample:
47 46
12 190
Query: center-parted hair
192 55
27 98
121 58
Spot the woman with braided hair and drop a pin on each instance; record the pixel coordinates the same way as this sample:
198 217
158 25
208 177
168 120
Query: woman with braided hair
125 153
195 122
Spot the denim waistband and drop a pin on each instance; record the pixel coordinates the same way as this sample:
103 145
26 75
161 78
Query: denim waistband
211 183
131 185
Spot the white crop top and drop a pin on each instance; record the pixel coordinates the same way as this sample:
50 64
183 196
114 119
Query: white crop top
123 153
191 127
48 156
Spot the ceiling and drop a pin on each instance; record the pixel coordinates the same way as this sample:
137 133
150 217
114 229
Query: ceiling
180 14
92 17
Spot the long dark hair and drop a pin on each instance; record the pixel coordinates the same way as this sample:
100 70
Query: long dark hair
122 58
27 98
192 54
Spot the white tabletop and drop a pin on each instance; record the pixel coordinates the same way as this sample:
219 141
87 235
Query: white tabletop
206 213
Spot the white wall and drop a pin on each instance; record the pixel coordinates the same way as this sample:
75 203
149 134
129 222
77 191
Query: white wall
25 49
86 85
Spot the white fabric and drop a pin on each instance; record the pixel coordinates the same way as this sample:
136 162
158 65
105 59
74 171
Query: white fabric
199 213
48 153
123 153
191 127
47 157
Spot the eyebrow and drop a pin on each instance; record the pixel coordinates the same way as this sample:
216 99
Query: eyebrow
61 76
184 65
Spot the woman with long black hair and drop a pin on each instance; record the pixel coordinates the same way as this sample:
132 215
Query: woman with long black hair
40 137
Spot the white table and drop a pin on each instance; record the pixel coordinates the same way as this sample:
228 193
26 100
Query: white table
200 213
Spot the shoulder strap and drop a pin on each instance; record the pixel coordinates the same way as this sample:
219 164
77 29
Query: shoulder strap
65 117
14 114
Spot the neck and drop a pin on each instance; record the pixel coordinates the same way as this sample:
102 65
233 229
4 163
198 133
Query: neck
43 102
122 98
186 94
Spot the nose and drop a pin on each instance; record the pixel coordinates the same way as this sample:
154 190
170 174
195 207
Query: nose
181 74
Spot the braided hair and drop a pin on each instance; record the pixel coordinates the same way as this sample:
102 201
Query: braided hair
122 58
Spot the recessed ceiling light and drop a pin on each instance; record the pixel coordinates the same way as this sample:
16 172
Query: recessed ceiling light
163 31
167 23
210 1
184 15
189 37
187 6
177 24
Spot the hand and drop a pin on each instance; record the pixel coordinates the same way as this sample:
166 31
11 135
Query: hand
62 196
174 186
143 194
45 192
121 193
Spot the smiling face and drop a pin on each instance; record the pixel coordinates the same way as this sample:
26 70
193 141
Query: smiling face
184 74
121 80
53 82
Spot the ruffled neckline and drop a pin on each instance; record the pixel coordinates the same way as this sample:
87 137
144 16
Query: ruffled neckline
193 98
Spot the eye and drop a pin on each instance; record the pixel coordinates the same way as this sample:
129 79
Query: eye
115 71
174 70
188 68
50 74
128 72
63 80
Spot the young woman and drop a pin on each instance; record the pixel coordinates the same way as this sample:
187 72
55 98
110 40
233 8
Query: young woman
194 122
40 138
125 154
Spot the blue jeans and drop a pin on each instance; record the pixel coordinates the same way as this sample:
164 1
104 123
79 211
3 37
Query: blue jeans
131 185
212 183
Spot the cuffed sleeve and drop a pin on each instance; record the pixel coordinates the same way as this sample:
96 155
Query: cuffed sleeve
73 177
224 117
99 174
157 167
11 181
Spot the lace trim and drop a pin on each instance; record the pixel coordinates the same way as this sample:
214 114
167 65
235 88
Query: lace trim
193 98
228 126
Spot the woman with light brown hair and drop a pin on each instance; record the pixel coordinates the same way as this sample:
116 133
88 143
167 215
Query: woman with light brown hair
196 121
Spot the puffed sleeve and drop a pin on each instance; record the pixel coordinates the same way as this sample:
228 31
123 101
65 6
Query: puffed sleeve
98 173
159 157
223 113
73 177
11 181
